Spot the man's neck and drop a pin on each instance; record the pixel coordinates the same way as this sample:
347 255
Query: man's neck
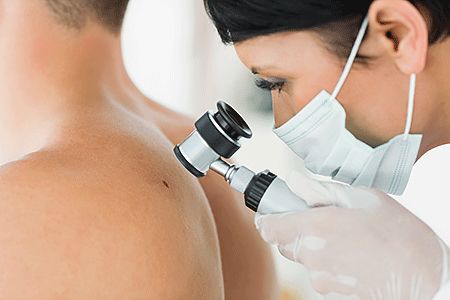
48 73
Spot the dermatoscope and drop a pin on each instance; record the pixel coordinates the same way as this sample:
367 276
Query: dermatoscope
217 135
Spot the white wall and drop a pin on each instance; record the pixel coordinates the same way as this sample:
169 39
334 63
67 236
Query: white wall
428 191
175 57
157 48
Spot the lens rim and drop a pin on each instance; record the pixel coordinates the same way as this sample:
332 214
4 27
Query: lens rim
194 171
234 121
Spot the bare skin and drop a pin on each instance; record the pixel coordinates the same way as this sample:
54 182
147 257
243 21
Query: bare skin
94 204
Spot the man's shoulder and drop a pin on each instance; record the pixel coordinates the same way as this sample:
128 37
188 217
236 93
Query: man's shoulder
63 228
48 183
23 178
48 188
80 174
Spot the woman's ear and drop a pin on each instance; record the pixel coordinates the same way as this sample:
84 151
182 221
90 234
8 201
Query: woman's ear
402 31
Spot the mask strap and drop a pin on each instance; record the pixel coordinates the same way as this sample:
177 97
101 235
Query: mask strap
351 58
412 88
348 66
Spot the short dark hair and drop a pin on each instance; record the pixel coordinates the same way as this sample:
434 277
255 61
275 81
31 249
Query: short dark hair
75 13
238 20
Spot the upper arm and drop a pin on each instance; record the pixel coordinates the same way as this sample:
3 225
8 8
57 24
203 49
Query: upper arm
60 238
243 250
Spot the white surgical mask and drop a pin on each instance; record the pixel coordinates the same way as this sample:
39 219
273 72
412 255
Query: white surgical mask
318 135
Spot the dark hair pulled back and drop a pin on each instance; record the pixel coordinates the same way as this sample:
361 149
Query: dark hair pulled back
239 20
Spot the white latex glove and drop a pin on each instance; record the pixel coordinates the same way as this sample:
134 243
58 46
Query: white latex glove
358 242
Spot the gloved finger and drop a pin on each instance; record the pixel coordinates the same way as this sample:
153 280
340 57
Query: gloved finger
306 250
278 228
325 193
296 228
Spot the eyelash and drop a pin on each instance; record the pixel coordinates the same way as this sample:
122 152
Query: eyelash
269 86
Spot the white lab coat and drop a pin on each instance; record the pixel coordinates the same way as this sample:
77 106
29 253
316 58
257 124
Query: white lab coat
444 293
428 194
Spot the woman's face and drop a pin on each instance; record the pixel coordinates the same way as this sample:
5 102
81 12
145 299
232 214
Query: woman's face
374 96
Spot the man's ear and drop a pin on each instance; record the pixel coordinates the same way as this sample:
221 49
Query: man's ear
402 31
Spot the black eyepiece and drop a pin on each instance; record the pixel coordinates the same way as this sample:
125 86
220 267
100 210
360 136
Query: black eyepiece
223 129
231 122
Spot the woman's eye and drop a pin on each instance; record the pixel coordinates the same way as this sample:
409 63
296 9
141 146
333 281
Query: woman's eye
277 84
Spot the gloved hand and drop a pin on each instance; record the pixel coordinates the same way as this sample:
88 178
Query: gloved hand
358 241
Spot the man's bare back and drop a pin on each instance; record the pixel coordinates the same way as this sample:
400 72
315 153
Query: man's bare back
106 214
94 204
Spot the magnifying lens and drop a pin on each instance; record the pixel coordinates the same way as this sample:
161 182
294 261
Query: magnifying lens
217 135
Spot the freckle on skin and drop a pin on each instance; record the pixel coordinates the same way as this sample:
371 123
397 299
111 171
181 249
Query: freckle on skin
165 184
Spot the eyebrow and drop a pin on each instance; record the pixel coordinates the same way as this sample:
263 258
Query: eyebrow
257 70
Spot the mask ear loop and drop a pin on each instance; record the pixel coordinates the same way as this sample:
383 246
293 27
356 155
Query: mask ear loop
348 66
412 89
351 58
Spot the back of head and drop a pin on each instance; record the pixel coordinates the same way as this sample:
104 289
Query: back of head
76 13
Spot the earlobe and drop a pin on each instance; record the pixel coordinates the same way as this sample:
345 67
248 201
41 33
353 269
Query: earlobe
402 31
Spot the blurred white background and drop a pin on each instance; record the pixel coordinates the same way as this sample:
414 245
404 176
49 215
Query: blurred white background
175 57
